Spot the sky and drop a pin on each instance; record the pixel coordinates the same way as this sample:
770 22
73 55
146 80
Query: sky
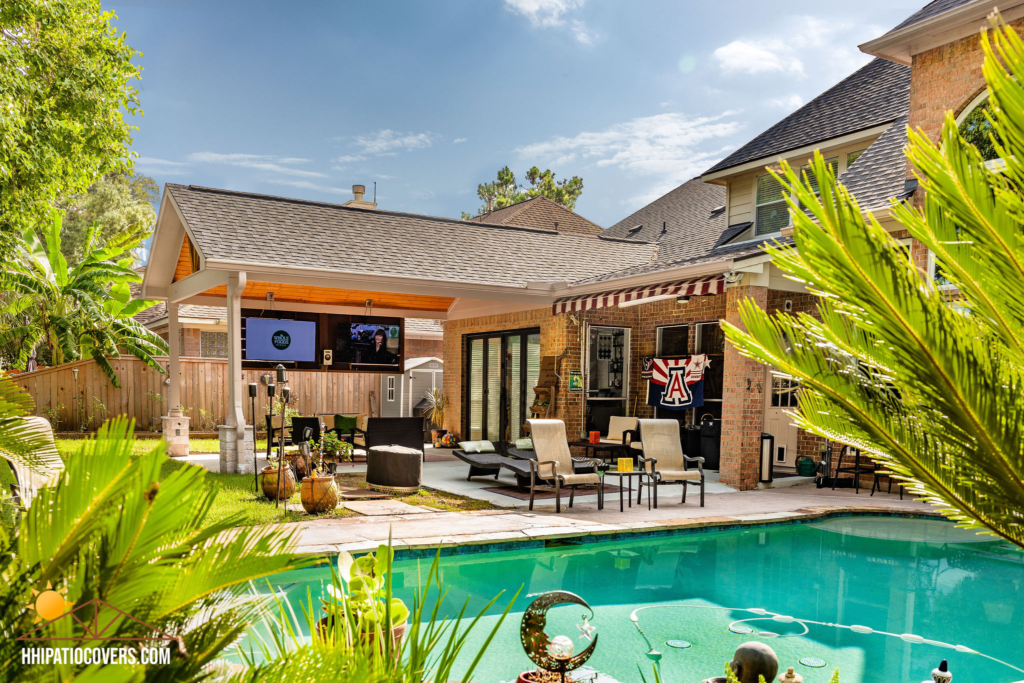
429 99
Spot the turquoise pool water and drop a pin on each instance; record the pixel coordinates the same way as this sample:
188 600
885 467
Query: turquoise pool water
901 576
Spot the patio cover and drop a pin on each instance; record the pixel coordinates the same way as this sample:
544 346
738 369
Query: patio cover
700 286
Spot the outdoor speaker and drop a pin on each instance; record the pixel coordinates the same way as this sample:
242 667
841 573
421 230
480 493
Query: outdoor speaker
252 389
328 357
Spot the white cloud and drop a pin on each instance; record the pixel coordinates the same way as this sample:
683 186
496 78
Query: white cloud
788 102
388 141
305 184
754 57
256 161
544 12
349 159
293 160
582 33
664 145
161 166
457 141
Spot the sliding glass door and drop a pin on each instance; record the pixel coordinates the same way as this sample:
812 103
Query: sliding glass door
502 369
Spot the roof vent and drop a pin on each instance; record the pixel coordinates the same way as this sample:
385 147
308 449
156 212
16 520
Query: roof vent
359 202
634 230
359 191
717 210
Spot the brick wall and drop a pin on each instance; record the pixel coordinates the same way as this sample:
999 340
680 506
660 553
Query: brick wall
743 400
189 340
424 348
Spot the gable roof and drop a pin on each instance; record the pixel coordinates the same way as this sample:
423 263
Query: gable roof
880 173
540 212
255 229
876 94
932 9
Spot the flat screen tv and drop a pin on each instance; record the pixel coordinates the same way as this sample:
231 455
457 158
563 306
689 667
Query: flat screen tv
280 340
370 344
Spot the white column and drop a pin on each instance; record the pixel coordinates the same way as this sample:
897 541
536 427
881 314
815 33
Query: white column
235 433
175 425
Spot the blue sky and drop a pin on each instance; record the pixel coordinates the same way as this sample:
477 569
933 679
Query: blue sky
429 99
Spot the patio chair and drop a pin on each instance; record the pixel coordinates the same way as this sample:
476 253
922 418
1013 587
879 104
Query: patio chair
482 464
663 461
555 463
274 433
622 430
27 482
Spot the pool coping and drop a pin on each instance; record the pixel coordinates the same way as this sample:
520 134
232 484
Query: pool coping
566 536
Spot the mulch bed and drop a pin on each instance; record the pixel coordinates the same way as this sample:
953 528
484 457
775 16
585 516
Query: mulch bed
546 494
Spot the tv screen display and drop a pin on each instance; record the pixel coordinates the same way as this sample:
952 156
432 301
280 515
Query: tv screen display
371 344
277 340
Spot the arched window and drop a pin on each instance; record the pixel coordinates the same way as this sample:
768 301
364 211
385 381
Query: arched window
976 129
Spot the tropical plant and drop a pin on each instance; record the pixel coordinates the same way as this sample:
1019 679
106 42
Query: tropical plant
80 312
931 387
367 599
437 407
65 88
342 650
114 528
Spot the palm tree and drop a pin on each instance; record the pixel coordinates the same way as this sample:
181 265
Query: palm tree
80 312
932 388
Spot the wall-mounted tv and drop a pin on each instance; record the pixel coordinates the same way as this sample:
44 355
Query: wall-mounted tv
280 340
369 343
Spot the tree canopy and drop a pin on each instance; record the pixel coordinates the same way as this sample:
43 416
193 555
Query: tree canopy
65 86
927 381
118 204
505 190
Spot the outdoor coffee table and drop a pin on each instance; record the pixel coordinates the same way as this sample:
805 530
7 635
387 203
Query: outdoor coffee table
629 484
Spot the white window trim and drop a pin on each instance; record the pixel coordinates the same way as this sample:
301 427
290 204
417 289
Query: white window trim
931 273
391 388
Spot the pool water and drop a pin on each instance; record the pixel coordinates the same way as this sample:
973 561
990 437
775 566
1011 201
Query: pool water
900 576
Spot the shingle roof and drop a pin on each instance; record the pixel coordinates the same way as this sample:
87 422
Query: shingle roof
692 228
184 311
277 231
877 93
879 173
932 9
541 212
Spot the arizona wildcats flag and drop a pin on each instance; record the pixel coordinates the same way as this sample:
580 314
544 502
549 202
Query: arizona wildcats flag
677 384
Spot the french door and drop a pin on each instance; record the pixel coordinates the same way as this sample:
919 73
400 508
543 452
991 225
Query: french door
502 369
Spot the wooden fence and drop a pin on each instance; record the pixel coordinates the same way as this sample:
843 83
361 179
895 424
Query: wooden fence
204 393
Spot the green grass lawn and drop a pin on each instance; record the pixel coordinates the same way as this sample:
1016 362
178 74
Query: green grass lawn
236 494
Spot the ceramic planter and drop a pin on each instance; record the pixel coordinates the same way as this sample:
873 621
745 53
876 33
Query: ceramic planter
269 477
319 494
435 436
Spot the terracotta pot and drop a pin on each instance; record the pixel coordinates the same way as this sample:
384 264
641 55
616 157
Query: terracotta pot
270 483
397 633
435 436
319 494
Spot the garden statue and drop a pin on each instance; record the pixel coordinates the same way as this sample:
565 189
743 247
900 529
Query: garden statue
755 659
553 657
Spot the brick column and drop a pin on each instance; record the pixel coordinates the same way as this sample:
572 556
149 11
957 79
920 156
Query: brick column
742 400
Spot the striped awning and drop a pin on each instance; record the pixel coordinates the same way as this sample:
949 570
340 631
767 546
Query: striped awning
700 286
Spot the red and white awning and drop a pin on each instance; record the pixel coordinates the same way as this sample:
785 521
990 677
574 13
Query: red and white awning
700 286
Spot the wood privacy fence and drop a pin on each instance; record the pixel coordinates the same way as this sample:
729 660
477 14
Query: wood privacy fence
204 393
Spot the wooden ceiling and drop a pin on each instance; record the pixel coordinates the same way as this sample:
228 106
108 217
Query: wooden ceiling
301 294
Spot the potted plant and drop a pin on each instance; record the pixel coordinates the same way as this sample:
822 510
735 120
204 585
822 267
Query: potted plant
268 476
365 599
437 410
318 491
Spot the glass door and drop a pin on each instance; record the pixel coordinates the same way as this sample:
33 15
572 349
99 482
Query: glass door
502 370
607 375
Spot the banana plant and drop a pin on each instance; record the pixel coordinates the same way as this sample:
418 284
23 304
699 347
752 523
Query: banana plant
928 382
80 312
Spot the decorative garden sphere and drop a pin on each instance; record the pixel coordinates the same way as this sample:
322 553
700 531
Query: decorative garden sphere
561 647
755 659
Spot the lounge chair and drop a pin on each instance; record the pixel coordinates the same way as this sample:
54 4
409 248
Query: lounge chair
663 461
556 465
482 464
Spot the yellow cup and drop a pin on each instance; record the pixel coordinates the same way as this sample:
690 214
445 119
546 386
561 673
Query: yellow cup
625 464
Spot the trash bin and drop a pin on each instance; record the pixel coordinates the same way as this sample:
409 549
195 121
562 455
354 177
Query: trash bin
711 441
766 470
691 441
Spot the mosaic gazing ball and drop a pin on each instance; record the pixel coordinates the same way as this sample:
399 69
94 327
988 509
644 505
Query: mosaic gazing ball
561 647
755 659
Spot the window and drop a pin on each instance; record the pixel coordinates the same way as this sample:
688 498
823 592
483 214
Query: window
608 362
213 344
806 168
904 245
674 342
711 342
783 392
976 129
853 156
936 274
771 214
391 388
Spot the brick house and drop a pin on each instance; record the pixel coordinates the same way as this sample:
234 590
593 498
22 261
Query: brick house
529 282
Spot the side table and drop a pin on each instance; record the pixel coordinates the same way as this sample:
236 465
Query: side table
628 476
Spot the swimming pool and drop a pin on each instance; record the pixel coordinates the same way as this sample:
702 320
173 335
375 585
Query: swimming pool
910 577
